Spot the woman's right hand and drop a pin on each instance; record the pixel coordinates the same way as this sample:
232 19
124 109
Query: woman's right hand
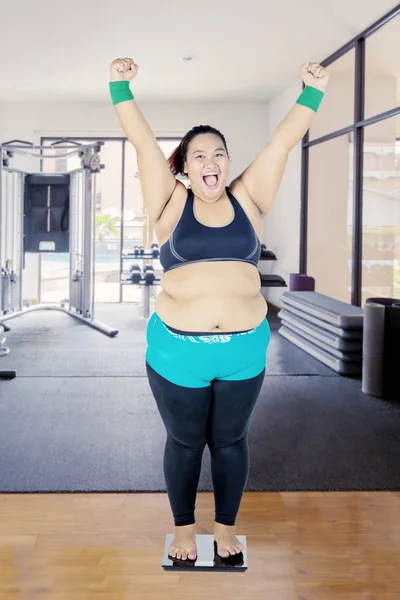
123 69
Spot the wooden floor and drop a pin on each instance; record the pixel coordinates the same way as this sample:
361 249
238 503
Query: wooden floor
301 546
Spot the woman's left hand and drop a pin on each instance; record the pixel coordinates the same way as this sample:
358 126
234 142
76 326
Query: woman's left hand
315 76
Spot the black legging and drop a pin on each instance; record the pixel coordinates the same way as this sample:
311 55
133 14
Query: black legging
219 416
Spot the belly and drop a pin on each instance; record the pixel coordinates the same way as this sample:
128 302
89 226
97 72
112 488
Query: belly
212 296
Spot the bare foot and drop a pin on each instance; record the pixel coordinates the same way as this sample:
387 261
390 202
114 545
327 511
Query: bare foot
183 546
227 542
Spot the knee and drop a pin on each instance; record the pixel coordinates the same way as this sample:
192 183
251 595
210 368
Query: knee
187 442
227 444
186 435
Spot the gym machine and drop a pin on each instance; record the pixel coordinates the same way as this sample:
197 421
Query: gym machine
49 212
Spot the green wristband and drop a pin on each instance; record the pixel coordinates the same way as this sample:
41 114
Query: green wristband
310 97
120 91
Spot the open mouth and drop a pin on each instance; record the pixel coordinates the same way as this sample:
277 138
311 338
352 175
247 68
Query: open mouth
211 180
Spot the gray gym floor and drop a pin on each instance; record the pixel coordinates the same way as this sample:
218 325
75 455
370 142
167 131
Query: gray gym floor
80 416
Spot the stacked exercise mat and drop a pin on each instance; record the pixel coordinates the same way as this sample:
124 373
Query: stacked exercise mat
329 330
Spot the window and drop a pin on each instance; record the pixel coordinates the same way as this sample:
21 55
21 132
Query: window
329 243
337 108
351 240
381 211
382 81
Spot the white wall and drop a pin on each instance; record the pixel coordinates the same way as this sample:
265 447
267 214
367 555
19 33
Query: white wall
282 224
243 124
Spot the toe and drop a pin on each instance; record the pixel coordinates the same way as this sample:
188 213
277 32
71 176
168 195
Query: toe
184 555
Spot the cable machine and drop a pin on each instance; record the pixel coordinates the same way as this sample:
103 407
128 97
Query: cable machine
49 212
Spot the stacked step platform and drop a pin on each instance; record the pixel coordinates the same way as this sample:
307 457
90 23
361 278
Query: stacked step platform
329 330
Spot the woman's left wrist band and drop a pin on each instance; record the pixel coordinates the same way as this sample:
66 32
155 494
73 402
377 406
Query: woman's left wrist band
310 97
120 91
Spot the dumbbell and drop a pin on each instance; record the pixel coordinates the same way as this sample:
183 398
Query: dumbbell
136 275
266 253
149 275
141 250
155 250
136 251
7 374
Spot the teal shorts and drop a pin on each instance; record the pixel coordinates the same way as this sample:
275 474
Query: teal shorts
195 360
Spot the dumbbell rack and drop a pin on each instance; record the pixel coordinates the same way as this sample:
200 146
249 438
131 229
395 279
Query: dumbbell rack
145 286
271 280
266 280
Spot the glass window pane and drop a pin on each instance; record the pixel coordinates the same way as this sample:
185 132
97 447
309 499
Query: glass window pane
108 223
337 108
382 83
329 241
381 211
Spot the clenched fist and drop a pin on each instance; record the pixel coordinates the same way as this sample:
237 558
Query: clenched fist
315 76
123 69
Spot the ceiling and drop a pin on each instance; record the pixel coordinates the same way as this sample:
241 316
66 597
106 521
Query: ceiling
61 51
